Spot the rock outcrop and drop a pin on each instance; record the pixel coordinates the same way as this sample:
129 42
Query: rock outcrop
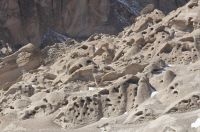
36 21
25 59
144 79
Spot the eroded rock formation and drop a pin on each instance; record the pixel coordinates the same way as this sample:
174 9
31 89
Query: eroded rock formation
144 79
36 21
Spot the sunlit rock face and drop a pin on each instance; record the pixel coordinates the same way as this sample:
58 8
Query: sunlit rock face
23 21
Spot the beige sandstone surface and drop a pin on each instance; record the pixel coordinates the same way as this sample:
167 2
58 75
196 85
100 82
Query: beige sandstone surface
145 79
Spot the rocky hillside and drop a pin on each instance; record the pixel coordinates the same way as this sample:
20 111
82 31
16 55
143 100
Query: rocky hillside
36 21
144 79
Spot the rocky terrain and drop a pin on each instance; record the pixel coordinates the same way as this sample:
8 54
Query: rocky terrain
143 79
36 21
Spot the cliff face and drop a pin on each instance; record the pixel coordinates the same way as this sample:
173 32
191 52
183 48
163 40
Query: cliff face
23 21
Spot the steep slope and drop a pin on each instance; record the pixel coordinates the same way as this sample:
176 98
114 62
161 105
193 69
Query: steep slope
144 79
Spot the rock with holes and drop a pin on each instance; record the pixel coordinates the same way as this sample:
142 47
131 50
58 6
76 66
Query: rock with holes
82 51
80 111
21 88
27 90
120 97
114 103
154 16
77 64
144 77
188 103
104 52
87 107
82 74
